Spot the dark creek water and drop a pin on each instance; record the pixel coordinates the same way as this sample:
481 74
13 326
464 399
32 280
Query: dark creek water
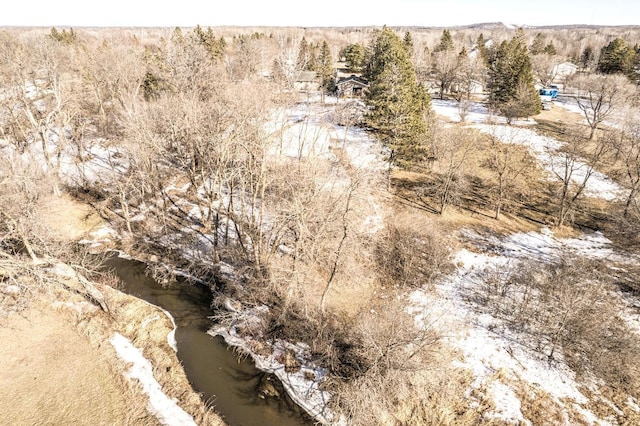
233 386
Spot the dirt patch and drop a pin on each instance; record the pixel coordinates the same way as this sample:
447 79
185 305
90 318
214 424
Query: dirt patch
68 219
55 376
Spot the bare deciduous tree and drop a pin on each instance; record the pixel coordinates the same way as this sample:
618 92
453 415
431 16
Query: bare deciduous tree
573 166
628 150
446 65
508 162
599 96
287 63
451 148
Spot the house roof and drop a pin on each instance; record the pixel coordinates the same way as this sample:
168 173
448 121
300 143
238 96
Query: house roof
307 76
353 79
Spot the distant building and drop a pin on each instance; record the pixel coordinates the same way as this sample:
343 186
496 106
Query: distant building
351 87
307 81
564 70
473 53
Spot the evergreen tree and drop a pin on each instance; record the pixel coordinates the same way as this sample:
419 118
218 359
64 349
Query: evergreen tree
303 54
408 43
550 49
326 68
215 47
397 101
446 42
616 57
64 36
510 84
481 46
312 60
537 47
587 57
354 56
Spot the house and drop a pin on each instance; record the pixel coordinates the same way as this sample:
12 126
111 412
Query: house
307 81
351 87
563 70
473 53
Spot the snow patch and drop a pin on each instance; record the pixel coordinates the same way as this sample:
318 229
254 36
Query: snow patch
79 307
485 348
10 289
545 149
166 410
105 235
509 404
477 113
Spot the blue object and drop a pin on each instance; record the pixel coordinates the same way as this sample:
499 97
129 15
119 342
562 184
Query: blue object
553 93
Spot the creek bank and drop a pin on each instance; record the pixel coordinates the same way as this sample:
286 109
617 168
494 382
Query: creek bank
301 379
239 391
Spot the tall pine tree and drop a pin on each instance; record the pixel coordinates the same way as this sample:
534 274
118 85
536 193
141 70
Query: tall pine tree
616 57
537 47
511 89
446 42
481 46
408 43
397 101
326 67
354 55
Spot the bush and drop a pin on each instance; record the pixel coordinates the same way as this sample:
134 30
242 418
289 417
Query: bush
412 253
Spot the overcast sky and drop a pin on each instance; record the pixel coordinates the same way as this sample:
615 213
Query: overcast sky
442 13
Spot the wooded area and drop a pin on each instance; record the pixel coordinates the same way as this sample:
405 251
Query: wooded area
211 156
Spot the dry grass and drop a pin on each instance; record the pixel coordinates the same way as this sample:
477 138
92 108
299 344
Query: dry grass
433 396
553 122
538 406
56 376
525 209
61 367
67 218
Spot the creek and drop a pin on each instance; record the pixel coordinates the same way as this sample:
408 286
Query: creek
238 391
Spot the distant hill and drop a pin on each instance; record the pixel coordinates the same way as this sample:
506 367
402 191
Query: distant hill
489 26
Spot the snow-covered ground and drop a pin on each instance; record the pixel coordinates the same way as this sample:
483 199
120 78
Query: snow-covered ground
614 119
568 103
498 361
545 150
477 113
309 130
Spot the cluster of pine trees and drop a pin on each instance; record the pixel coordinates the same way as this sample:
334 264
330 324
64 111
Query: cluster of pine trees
510 82
317 57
